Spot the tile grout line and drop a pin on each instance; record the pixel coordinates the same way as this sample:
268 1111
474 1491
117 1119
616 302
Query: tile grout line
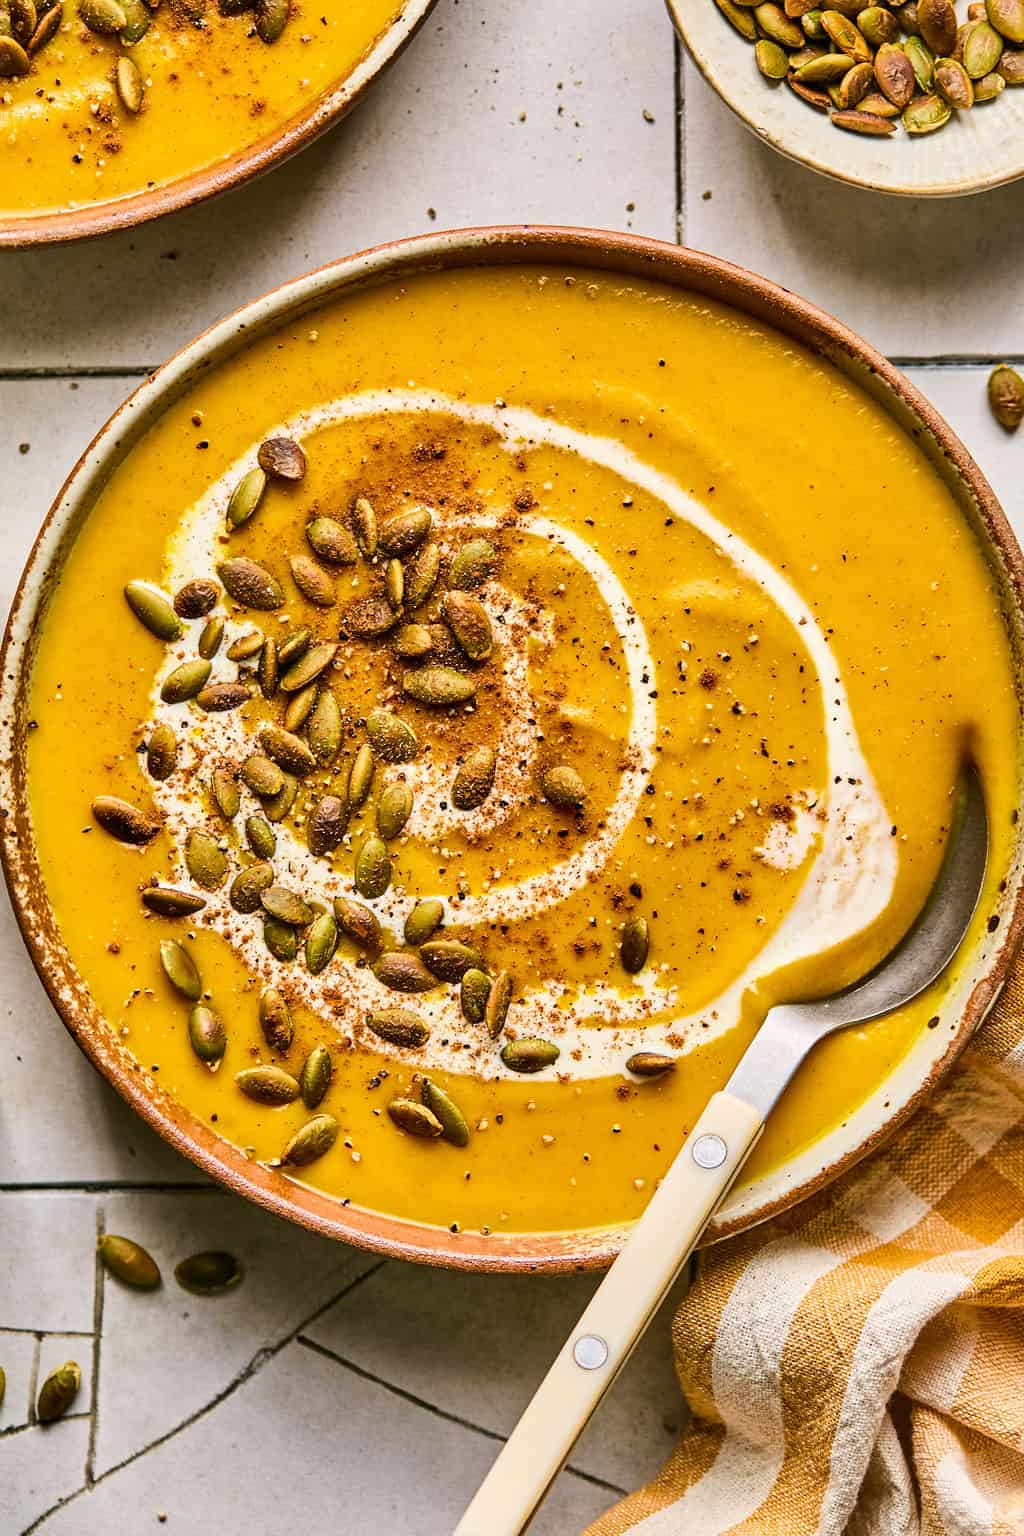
33 1379
261 1358
101 1187
99 1290
438 1412
680 121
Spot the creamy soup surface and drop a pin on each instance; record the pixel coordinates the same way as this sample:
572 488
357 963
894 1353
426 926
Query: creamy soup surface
614 639
91 115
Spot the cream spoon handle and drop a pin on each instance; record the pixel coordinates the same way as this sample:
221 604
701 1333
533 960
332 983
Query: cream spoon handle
617 1317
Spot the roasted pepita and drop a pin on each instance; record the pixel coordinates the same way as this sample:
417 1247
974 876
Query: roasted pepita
401 532
421 572
196 598
207 1036
364 526
260 837
393 811
562 786
246 497
287 750
403 971
499 998
326 826
476 561
444 1108
316 1076
268 1085
261 775
210 1273
529 1055
219 698
392 739
286 906
313 581
358 923
366 618
251 585
281 457
321 942
123 820
634 944
224 789
58 1392
650 1064
439 687
415 1118
152 609
280 939
473 994
128 1262
161 752
180 970
276 1021
248 887
474 780
166 901
372 872
331 541
423 922
324 728
311 1141
399 1026
450 959
205 860
211 637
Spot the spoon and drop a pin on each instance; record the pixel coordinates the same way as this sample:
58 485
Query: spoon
701 1176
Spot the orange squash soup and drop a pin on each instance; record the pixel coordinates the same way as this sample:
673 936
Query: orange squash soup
470 707
101 99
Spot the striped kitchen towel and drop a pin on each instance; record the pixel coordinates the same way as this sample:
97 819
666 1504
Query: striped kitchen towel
856 1367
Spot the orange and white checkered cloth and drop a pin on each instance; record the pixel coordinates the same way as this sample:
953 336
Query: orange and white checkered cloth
856 1367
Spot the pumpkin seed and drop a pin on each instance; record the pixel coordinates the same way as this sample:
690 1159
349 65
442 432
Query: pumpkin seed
776 25
925 114
271 18
403 531
364 526
421 573
49 25
14 61
399 1026
413 642
473 995
415 1118
922 62
277 809
20 17
260 837
321 942
267 670
474 780
393 810
326 826
168 902
358 923
1006 396
138 22
563 787
123 820
280 457
207 1036
309 667
128 77
367 618
878 25
196 598
286 906
276 1021
246 646
845 36
205 861
287 750
423 922
450 959
650 1064
331 541
529 1055
280 939
823 68
498 1000
983 48
299 709
180 970
1011 68
863 122
1007 16
895 75
218 698
880 105
854 86
936 20
311 1141
444 1108
403 971
392 739
210 1273
438 687
394 583
635 944
128 1262
808 93
323 729
739 17
313 582
478 560
316 1076
162 752
467 619
290 650
248 887
211 637
262 776
3 1385
953 84
251 585
361 775
989 88
268 1085
810 22
103 16
60 1388
372 873
224 789
246 497
150 607
770 59
907 15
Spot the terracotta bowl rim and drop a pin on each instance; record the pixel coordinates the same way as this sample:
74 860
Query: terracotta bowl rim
20 231
691 271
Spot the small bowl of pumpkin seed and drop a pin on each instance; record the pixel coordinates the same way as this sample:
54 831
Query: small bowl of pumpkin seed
919 99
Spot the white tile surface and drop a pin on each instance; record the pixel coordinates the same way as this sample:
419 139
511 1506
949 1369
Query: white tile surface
917 278
497 112
224 1415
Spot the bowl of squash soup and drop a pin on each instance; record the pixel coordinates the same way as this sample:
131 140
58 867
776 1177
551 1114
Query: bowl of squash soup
456 696
117 111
